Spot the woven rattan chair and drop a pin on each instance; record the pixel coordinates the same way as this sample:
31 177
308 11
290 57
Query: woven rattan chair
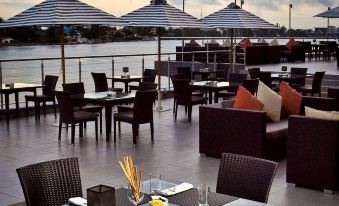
185 71
148 76
251 85
300 72
50 183
47 96
234 78
100 83
79 88
69 116
334 93
183 96
141 113
245 177
254 73
316 85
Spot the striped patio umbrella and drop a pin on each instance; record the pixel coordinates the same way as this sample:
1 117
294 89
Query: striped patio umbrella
160 14
332 13
60 13
233 17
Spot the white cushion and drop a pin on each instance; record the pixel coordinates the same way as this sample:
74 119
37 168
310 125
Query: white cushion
315 113
271 100
274 42
226 43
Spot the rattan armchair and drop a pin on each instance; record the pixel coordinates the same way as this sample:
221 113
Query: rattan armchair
245 177
50 183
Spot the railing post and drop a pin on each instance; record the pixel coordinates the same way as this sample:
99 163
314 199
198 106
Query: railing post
192 65
42 72
143 64
2 100
215 61
79 70
207 56
112 72
169 72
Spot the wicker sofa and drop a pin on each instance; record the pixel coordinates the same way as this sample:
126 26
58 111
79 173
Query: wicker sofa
224 129
313 152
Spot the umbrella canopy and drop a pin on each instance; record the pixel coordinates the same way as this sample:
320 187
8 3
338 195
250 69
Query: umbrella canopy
332 13
233 17
160 14
236 18
62 12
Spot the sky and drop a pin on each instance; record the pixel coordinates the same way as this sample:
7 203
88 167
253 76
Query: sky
274 11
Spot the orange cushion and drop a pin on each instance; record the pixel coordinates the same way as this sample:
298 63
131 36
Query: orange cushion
291 43
291 99
245 43
245 100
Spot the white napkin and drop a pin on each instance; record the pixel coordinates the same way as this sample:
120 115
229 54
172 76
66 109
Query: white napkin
177 189
78 201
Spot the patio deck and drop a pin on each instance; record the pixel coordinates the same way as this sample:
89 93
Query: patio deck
174 155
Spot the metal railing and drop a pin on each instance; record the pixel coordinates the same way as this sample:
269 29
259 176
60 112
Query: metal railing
80 65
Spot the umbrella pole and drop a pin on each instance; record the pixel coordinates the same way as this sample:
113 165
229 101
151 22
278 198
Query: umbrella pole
159 108
231 55
62 43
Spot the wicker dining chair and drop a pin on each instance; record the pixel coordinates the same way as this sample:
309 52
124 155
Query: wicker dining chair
254 73
185 71
300 72
79 88
148 76
316 85
245 177
140 113
230 93
100 83
69 116
50 183
47 96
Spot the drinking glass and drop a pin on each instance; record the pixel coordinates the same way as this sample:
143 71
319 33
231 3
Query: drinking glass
202 194
133 196
155 184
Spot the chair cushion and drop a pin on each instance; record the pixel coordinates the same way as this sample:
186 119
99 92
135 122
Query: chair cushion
124 117
271 100
40 98
80 116
291 99
315 113
277 130
245 43
198 100
245 100
92 108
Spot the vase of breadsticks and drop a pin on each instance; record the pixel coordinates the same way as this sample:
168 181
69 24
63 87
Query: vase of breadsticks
133 176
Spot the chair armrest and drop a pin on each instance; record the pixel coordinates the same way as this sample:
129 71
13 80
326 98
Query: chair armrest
231 130
312 155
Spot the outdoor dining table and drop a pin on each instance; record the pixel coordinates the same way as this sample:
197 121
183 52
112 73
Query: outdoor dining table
205 73
126 80
108 100
186 198
213 86
288 76
15 88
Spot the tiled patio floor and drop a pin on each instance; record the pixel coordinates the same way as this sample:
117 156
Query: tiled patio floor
174 155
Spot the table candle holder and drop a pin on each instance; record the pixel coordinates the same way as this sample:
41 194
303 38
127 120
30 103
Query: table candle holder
101 195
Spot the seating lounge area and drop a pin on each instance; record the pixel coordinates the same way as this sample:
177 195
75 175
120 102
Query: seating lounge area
215 141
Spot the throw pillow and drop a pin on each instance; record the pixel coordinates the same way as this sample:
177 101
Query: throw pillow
226 43
245 43
291 99
271 100
314 113
245 100
274 42
291 43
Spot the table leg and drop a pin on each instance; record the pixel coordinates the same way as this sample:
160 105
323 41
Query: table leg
126 87
7 107
108 119
210 96
16 103
215 97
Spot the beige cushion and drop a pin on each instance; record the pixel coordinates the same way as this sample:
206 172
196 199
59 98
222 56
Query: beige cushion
226 43
271 100
274 42
314 113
